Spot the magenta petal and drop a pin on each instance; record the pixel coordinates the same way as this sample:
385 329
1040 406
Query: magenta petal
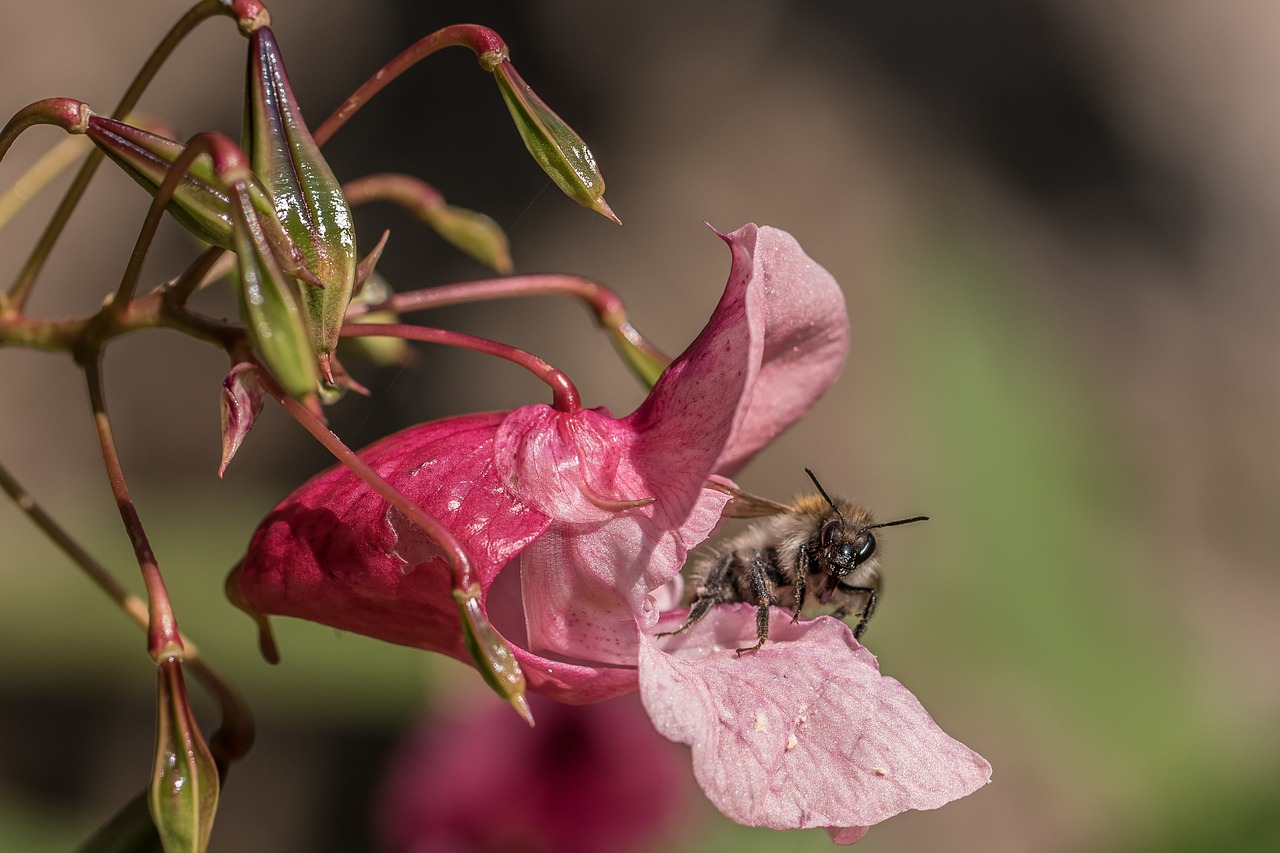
806 339
804 732
333 553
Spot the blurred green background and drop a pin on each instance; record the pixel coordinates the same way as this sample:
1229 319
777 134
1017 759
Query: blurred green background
1055 223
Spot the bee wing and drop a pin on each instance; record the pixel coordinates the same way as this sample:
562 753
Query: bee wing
743 505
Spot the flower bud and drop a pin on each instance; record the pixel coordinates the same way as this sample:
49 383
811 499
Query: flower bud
269 303
491 654
201 202
472 232
559 151
184 783
307 197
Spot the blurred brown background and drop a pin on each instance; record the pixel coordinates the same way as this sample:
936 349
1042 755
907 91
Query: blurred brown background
1056 226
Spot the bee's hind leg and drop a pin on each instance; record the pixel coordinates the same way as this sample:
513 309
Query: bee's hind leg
762 586
710 592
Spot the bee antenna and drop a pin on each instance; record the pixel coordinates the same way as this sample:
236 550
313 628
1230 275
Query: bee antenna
900 521
825 496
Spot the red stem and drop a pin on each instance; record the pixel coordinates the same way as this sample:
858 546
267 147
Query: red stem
607 306
227 161
26 279
481 40
163 640
233 738
454 554
565 395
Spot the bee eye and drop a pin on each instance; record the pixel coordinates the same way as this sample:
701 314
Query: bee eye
865 550
829 532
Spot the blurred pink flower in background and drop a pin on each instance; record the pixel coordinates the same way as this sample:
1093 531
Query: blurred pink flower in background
585 779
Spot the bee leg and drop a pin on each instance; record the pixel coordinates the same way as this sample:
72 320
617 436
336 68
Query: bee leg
763 589
801 588
710 592
869 608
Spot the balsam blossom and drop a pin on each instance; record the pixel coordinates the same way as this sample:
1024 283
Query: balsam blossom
578 523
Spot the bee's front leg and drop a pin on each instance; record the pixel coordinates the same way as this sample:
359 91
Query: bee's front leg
869 608
762 588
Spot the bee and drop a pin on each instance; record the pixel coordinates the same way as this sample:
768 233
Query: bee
817 546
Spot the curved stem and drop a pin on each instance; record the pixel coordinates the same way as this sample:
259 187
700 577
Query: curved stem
607 306
481 40
564 394
454 554
163 640
233 738
26 279
202 143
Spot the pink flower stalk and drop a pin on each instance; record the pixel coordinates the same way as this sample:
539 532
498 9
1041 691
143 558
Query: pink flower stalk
586 779
577 522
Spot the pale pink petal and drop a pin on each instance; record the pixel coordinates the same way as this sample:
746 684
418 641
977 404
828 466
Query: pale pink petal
239 405
806 339
587 587
804 732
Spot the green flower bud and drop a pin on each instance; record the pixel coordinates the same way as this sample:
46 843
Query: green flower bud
184 783
307 198
269 303
559 151
493 657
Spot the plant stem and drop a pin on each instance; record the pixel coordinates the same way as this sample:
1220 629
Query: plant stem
564 394
163 640
481 41
233 738
21 287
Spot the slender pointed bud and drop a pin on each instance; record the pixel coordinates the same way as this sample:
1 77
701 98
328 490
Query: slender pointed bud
201 203
472 232
491 654
184 783
241 401
269 303
308 198
559 151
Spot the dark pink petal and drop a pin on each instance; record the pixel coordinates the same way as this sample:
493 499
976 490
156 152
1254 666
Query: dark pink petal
333 551
806 338
804 732
240 403
697 405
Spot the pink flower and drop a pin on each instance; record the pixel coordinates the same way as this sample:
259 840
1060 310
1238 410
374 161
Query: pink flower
576 521
586 779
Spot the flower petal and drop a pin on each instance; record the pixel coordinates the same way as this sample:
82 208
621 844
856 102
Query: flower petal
806 338
804 732
333 552
689 417
587 587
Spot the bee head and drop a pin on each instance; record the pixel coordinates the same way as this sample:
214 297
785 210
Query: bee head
845 543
